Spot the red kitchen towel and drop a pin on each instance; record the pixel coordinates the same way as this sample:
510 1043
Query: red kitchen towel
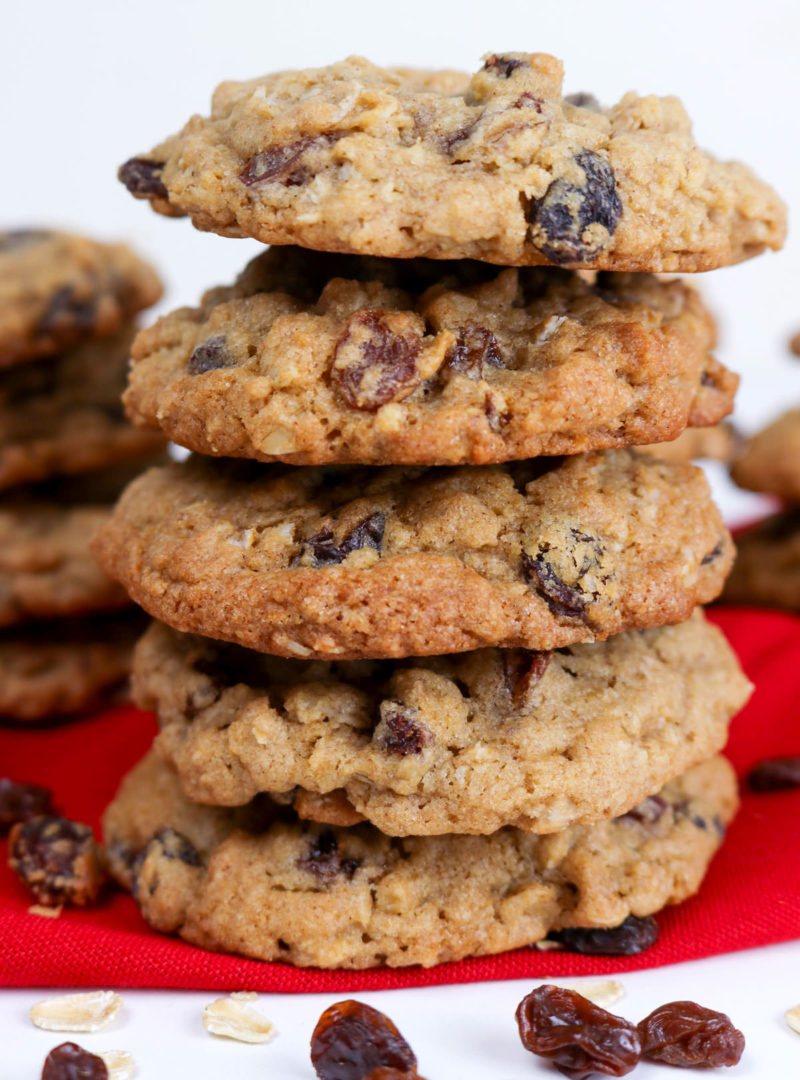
751 896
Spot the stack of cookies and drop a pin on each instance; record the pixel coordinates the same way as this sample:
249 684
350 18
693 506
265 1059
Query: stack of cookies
67 310
429 667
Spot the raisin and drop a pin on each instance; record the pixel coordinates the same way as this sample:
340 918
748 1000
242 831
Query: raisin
209 692
685 809
686 1034
71 1062
59 860
66 312
528 101
474 353
561 598
648 812
715 553
17 238
522 670
169 843
454 138
584 101
209 356
399 731
775 774
325 861
575 1034
386 1072
373 363
142 178
559 219
497 420
628 939
352 1040
19 802
368 533
175 845
503 66
283 164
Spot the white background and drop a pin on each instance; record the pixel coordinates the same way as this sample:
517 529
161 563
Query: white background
86 85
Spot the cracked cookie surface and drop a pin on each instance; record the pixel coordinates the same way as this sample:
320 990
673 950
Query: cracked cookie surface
348 563
500 167
246 881
58 290
62 415
315 359
459 744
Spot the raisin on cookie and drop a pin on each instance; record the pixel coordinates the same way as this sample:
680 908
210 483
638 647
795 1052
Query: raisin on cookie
314 359
347 563
498 167
58 290
258 882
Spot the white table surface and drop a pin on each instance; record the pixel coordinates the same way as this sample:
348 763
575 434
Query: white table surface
457 1032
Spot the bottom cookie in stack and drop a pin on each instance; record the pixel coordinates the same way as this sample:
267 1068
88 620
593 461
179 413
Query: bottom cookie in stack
261 882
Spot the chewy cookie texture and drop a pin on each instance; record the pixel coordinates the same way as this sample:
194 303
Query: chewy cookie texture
499 167
393 562
257 881
767 568
52 670
62 415
57 290
462 744
67 309
770 460
46 569
313 359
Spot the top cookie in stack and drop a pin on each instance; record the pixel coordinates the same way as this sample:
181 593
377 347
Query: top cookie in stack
499 167
378 333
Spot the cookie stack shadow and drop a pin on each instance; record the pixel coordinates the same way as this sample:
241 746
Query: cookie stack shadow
430 669
68 306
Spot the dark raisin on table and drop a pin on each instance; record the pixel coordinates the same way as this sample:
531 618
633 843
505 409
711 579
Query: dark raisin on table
775 774
628 939
353 1041
578 1036
59 860
686 1034
71 1062
19 802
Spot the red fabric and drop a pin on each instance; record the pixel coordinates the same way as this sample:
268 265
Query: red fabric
751 896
